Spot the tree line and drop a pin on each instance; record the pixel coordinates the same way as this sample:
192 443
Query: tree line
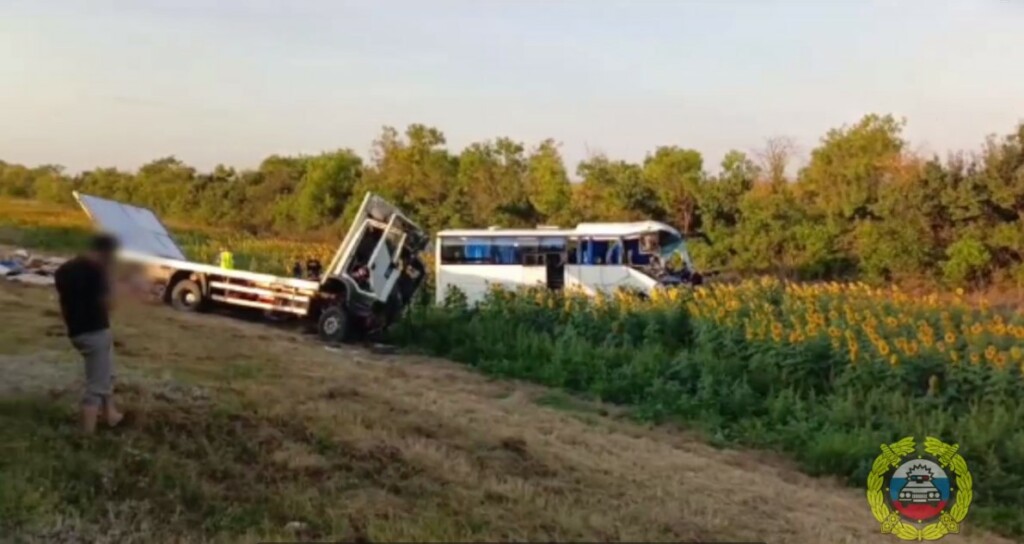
863 206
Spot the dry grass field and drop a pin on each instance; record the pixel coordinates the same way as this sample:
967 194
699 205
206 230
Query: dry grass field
243 431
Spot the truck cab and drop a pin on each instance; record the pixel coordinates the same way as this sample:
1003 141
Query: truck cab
373 275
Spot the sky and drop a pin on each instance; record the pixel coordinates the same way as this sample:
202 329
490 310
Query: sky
87 83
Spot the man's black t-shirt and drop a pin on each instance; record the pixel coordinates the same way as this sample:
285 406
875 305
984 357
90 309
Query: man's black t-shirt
82 287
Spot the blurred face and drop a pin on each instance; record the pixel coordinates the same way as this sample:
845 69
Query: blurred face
102 257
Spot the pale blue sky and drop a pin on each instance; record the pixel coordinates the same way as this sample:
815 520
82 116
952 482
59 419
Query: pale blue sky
102 82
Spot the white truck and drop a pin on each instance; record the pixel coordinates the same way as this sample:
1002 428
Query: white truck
370 281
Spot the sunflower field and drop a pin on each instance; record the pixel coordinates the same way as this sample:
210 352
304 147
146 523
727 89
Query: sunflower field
824 372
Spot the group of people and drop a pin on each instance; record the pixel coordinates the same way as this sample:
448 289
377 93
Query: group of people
313 269
359 272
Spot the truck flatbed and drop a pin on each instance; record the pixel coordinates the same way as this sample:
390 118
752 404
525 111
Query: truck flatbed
370 280
296 283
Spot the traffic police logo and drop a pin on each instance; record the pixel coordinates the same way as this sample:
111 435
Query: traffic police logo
919 496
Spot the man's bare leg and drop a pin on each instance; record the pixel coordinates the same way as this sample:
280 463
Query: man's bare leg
110 413
97 351
89 415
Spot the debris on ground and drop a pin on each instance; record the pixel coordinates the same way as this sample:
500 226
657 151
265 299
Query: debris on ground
22 266
383 349
32 279
10 268
377 348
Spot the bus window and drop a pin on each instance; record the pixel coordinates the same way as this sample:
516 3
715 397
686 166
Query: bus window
478 250
598 251
529 251
465 251
614 253
649 243
552 245
634 252
586 251
666 239
573 249
505 251
451 251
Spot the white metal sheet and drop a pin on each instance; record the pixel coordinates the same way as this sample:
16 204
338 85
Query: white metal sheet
138 229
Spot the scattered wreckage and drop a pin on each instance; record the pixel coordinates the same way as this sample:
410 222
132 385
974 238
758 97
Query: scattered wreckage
23 267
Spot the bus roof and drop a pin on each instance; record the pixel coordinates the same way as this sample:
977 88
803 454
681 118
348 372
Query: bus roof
611 230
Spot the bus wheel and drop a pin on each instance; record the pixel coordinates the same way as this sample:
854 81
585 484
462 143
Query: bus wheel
187 296
333 325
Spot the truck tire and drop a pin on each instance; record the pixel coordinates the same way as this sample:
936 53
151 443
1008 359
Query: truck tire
333 325
187 296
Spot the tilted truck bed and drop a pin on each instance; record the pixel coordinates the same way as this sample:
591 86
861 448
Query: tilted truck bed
146 241
369 282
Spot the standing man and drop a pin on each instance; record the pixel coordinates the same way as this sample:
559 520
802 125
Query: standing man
83 284
313 268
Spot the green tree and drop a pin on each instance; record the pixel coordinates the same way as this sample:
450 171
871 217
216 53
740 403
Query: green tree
847 170
269 190
891 249
492 176
109 183
418 174
675 176
166 186
765 238
615 191
51 185
721 213
547 183
968 262
17 181
326 188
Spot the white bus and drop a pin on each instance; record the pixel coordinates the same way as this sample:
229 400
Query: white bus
592 257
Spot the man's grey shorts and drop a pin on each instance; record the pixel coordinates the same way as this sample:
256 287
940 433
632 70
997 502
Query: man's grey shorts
97 348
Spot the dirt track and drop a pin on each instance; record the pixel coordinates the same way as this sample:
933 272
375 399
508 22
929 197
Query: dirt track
457 455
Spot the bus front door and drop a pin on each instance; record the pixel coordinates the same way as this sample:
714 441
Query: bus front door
555 264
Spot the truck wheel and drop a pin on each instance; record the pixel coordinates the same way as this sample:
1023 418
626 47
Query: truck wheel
333 325
187 296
